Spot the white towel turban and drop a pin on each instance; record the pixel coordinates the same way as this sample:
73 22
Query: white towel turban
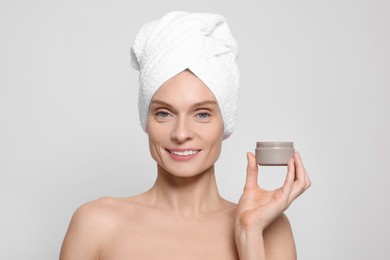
200 42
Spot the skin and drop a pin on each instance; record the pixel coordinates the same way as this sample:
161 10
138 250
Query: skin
183 216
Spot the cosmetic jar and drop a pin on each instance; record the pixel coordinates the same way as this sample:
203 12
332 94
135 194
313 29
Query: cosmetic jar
274 153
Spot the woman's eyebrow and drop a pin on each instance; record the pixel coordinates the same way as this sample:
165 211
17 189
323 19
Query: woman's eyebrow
205 103
160 102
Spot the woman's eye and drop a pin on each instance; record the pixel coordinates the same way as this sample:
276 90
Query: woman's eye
162 114
203 115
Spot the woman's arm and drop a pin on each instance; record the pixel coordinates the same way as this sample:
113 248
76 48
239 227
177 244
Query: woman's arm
262 230
276 242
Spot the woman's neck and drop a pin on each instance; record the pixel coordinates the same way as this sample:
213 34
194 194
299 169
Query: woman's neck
186 196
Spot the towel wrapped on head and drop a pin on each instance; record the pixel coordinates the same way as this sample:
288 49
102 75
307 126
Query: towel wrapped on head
200 42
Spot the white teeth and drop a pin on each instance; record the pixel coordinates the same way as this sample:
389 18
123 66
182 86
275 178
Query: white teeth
184 153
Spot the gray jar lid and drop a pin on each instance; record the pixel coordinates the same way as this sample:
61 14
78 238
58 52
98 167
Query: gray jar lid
275 145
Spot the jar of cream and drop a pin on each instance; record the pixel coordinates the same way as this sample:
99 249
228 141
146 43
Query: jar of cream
274 153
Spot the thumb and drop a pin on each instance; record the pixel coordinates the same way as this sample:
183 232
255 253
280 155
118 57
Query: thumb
251 172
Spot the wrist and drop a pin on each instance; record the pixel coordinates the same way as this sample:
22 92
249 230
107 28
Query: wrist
248 229
244 235
250 244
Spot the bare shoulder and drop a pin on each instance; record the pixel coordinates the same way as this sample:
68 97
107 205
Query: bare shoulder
279 235
90 225
100 211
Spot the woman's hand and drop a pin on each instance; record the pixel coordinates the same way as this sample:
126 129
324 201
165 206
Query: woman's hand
257 207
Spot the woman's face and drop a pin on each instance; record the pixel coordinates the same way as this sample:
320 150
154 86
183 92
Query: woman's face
184 126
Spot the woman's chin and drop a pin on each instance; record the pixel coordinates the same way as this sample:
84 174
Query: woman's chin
185 171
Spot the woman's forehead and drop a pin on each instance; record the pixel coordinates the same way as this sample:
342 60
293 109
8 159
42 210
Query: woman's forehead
185 86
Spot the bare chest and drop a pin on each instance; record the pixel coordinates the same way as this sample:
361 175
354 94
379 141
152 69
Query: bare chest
166 238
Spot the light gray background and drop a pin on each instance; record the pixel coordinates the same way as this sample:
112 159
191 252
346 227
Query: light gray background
313 72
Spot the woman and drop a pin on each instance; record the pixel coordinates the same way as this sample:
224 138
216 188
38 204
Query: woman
187 101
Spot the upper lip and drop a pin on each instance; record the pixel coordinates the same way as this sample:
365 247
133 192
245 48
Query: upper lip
182 149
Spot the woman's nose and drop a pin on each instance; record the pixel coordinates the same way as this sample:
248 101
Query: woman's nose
182 131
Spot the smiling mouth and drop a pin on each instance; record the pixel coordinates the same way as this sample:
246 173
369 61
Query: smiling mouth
183 154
